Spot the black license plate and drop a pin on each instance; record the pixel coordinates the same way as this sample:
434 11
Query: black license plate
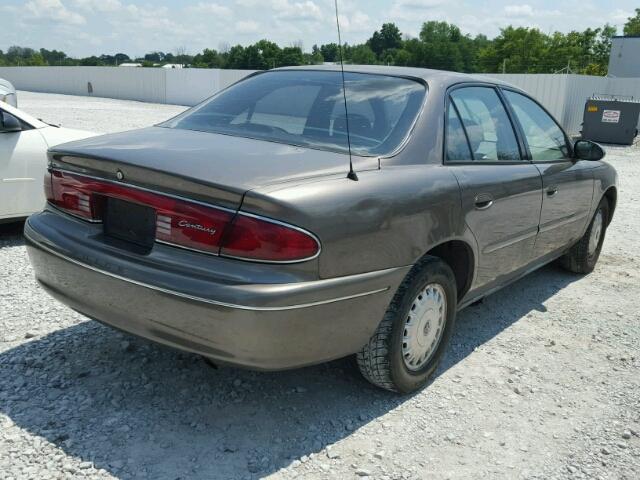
130 222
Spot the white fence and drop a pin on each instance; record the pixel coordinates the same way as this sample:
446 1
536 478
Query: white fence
562 95
158 85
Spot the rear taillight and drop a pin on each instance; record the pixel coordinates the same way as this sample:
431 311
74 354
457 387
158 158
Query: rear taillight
254 238
185 223
75 195
178 222
189 225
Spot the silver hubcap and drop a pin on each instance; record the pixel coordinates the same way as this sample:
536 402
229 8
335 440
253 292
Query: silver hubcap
424 326
596 232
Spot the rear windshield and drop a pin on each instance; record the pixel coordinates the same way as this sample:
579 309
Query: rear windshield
307 108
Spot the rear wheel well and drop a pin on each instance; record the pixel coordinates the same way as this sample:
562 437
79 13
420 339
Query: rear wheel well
459 256
612 197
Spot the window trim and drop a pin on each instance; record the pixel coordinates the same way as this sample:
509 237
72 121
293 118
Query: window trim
464 130
25 125
524 158
568 143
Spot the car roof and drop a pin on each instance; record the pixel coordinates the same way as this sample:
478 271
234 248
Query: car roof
441 77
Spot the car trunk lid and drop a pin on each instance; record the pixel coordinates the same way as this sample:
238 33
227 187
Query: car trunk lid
208 167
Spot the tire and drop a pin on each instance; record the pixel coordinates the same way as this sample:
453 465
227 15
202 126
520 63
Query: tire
384 360
579 258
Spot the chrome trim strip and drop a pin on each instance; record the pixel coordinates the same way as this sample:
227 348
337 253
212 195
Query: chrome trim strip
137 187
574 217
532 232
206 300
72 215
188 249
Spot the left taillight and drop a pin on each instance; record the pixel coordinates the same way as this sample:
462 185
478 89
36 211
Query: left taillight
178 222
74 194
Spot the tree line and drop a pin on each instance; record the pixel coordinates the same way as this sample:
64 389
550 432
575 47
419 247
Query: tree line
439 45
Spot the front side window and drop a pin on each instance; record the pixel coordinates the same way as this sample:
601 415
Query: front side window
306 108
487 124
545 138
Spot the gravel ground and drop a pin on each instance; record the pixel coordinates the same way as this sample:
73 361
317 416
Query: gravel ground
102 115
541 381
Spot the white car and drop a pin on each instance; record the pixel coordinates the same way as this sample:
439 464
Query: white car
24 141
8 93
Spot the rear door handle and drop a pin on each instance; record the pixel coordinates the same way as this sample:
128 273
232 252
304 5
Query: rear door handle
551 191
483 201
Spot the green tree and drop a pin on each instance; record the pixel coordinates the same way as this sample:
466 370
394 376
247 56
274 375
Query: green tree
330 52
121 58
92 61
209 58
236 58
388 38
524 50
441 46
290 56
632 27
53 57
316 57
270 52
156 57
362 55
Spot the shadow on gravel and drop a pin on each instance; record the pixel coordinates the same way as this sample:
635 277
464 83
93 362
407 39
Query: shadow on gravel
11 234
139 410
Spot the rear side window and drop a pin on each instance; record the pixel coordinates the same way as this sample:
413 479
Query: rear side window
305 107
544 137
487 125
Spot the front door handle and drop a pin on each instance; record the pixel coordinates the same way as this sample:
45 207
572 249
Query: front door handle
483 201
551 191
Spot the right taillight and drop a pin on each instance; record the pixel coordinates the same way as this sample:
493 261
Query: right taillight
253 238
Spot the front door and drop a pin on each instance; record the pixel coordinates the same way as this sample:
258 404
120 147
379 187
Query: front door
567 183
501 192
20 188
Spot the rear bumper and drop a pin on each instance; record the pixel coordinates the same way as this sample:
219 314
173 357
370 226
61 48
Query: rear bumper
266 326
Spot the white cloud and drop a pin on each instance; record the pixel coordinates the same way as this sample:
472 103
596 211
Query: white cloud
518 10
99 5
247 26
296 11
418 4
411 10
53 10
619 16
356 22
209 8
527 11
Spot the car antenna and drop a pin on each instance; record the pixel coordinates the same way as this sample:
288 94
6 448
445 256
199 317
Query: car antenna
352 174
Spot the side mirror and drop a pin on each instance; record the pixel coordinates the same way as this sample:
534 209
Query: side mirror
9 123
588 150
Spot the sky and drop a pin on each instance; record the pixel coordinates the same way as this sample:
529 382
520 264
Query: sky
91 27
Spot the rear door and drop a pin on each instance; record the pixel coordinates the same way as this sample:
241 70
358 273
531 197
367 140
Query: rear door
501 191
567 182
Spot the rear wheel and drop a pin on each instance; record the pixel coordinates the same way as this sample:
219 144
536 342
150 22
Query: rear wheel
583 256
408 344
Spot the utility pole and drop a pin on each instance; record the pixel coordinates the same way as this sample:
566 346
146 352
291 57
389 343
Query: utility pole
504 65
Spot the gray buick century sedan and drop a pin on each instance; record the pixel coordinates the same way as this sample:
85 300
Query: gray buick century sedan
238 230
